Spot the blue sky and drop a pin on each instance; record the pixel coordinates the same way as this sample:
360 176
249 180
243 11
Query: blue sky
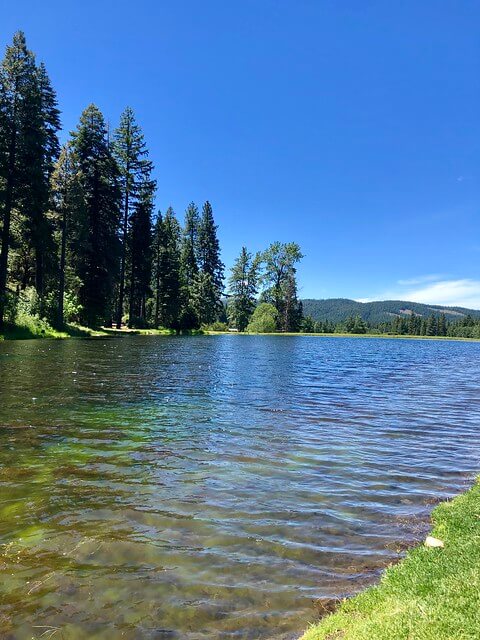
351 127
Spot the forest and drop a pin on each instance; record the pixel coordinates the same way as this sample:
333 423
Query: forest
412 325
81 241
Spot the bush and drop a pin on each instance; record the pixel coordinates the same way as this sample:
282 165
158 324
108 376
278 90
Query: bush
215 326
264 319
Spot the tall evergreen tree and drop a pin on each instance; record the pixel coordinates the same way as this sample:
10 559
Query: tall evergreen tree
243 288
69 214
442 325
18 93
98 247
130 152
169 289
190 248
431 327
209 259
291 308
44 123
158 242
204 298
140 254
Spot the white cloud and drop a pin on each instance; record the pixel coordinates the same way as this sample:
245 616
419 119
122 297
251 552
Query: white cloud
421 279
463 292
452 293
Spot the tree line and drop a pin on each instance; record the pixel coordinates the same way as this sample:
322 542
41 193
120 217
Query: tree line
81 241
411 325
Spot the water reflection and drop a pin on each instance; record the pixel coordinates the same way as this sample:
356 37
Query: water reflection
216 487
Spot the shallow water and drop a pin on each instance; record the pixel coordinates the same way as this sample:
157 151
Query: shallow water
218 487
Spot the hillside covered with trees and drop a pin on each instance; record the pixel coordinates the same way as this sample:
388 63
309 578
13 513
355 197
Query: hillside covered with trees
339 309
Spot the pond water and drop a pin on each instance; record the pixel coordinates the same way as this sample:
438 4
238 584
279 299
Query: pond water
218 486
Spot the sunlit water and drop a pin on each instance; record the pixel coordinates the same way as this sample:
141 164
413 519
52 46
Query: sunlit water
218 487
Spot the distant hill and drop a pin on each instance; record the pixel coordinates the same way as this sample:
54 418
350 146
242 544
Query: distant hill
338 309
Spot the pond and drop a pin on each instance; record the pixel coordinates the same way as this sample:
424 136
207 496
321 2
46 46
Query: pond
218 486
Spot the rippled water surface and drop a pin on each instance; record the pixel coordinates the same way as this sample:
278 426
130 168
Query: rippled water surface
218 487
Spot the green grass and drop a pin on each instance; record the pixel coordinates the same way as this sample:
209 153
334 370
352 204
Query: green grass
149 332
29 327
432 594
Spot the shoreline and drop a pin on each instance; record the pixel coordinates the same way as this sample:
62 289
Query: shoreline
74 331
384 336
433 593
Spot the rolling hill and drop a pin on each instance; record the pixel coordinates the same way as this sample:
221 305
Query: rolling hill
338 309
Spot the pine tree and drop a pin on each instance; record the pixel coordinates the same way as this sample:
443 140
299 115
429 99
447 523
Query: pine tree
209 258
97 250
442 325
168 272
68 209
18 89
189 266
34 256
140 255
44 127
158 242
243 289
130 152
292 309
359 326
204 298
431 329
190 248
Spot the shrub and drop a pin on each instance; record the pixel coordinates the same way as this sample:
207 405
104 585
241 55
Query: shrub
264 319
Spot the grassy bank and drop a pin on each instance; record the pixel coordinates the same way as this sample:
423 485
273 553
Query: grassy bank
30 327
433 594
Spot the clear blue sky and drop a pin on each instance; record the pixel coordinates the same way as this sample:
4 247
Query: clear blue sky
351 127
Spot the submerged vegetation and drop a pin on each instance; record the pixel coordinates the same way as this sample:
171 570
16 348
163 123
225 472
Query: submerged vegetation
433 594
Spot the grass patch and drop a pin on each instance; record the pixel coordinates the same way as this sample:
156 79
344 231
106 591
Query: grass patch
433 594
125 331
30 327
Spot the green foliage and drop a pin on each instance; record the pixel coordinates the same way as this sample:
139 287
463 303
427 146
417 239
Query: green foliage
96 259
204 298
190 245
308 325
338 309
29 122
76 227
264 319
167 287
210 264
215 326
353 325
243 289
279 280
137 191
